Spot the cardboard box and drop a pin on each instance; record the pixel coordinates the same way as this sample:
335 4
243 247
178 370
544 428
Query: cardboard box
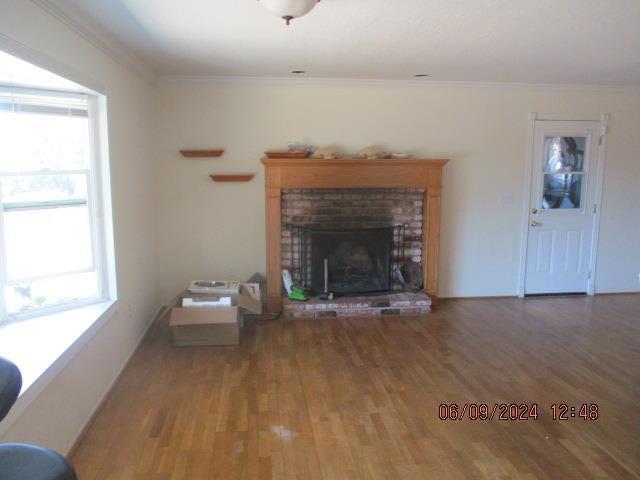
193 326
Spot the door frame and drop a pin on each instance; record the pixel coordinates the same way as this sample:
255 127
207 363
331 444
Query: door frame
603 119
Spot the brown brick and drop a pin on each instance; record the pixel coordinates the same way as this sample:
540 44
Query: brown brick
311 196
293 307
411 311
327 211
380 303
400 303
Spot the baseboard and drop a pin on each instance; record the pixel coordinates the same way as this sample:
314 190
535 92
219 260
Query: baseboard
498 297
603 294
162 311
487 297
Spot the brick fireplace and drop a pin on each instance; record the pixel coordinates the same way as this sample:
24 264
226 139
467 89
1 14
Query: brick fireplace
351 209
353 198
389 218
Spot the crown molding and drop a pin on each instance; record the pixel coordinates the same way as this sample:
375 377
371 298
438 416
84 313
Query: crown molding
89 31
385 83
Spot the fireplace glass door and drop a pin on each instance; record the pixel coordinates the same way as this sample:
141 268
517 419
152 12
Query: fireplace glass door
358 261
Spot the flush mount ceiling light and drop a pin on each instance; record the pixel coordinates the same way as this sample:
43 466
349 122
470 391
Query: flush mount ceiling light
289 9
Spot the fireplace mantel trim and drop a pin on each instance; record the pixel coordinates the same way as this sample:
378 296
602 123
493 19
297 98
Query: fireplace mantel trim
351 173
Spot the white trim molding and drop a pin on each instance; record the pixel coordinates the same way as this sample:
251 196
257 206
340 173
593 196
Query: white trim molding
386 83
526 202
602 146
96 36
558 117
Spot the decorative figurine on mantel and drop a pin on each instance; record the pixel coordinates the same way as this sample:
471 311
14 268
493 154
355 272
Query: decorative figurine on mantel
327 153
371 153
301 147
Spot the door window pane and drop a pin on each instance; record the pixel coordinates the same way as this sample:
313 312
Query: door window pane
564 172
564 154
47 241
562 190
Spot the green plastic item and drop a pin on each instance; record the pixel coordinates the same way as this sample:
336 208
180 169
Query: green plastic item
298 294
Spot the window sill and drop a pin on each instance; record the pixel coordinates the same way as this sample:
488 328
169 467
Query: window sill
42 346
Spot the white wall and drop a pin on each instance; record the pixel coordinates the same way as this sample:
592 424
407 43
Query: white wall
59 414
212 230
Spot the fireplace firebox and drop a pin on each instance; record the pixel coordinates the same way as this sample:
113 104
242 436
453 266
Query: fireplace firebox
353 261
358 261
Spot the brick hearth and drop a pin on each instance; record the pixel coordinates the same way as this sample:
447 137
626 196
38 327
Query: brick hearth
392 304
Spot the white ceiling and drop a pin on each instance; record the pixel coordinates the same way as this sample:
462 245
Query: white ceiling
580 42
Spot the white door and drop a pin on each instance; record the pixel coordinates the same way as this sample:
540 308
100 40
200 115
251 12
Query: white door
562 207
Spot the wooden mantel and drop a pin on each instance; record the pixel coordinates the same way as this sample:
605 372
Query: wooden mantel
351 173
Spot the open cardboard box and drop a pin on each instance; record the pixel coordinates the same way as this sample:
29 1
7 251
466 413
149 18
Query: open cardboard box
193 326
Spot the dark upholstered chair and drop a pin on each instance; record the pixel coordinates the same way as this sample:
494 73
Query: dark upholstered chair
19 461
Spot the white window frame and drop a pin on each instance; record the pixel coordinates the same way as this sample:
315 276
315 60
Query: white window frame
96 197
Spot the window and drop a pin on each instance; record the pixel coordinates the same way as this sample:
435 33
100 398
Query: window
50 235
564 172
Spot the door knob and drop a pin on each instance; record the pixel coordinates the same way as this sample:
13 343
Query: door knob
534 223
534 211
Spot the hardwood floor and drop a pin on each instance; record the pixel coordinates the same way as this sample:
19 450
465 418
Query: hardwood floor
358 398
